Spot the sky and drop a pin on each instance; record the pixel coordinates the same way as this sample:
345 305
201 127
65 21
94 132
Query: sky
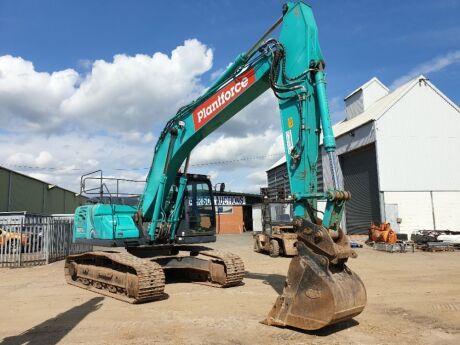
87 85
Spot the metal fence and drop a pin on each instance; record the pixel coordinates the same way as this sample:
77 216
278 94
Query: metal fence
28 241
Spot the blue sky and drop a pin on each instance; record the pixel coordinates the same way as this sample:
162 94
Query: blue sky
50 106
359 38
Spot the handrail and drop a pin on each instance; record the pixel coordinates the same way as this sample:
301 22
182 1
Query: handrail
103 185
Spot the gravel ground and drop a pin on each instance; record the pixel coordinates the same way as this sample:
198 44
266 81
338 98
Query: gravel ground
413 298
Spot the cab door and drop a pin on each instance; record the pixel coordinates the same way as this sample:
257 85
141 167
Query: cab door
198 224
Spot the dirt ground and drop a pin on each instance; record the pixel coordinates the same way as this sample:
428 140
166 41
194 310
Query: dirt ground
413 298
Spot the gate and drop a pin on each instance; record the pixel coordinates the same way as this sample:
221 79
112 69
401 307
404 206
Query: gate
28 240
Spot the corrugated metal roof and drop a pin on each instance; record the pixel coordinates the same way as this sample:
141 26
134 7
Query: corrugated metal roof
376 111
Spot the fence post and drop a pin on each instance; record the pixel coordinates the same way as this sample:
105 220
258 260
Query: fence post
47 242
21 225
68 237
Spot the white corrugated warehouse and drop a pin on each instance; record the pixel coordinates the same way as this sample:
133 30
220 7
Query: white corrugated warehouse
399 156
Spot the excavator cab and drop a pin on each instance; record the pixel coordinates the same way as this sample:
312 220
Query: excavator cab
111 219
198 220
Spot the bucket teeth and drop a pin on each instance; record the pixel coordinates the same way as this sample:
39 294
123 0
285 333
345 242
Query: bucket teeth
317 293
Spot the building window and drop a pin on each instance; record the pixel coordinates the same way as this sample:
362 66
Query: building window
224 209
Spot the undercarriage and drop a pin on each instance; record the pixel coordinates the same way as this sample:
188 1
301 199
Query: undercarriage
139 275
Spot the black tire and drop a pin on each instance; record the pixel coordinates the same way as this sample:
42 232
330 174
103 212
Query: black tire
257 246
274 248
13 246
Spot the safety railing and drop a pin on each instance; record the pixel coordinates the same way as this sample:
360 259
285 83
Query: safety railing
105 188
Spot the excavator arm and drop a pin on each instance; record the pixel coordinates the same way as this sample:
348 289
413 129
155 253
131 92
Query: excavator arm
292 67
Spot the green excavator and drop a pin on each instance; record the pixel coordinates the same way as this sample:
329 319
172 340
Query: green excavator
164 234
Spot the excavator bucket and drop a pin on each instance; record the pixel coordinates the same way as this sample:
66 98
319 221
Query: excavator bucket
320 289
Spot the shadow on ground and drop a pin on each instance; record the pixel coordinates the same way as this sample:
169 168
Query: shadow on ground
53 330
276 281
328 330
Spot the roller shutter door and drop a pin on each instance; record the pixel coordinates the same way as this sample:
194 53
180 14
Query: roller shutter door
359 170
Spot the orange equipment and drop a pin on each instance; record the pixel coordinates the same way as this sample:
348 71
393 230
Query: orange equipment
382 233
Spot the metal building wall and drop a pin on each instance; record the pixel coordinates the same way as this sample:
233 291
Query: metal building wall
4 183
418 143
414 209
354 104
26 194
22 193
373 92
278 178
446 206
426 210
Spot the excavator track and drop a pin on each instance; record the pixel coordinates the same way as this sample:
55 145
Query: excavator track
198 264
233 265
118 275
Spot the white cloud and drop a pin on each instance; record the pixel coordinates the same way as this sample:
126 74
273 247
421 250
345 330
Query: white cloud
44 158
214 175
63 124
70 155
259 116
246 159
139 91
258 178
40 159
135 92
138 137
29 98
435 65
248 151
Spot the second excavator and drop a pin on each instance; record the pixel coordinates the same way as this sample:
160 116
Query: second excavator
176 213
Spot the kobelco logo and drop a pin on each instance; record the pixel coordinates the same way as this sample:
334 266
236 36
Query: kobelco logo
219 101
